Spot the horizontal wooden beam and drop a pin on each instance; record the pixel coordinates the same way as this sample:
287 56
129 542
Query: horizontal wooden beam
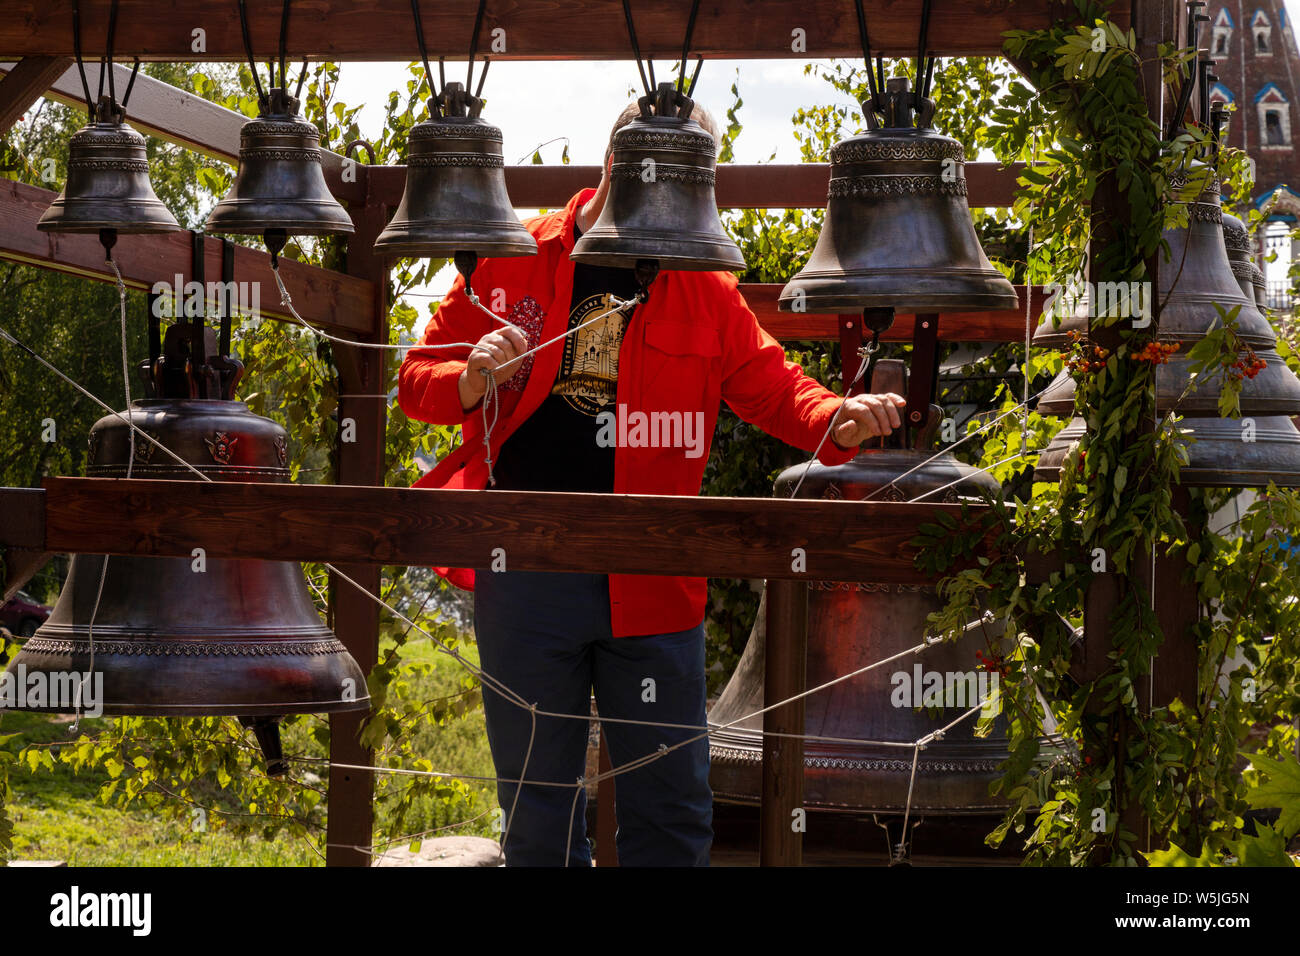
542 531
751 186
161 110
530 29
331 300
1006 325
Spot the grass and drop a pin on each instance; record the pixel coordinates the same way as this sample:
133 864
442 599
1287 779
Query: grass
58 815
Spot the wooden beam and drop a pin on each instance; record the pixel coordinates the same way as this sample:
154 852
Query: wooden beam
23 84
739 186
331 300
1006 325
540 531
360 454
161 110
532 29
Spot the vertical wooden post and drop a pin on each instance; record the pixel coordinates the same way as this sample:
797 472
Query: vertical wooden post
1154 22
350 824
606 819
784 675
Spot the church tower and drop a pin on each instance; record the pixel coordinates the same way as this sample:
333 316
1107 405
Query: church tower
1258 65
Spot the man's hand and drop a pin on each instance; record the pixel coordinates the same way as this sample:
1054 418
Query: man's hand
867 416
495 349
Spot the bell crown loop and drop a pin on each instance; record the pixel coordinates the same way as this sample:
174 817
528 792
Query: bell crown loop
454 102
898 107
665 102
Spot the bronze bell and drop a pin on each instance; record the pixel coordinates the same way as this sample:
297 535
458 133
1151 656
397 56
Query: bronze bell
455 198
1263 446
280 186
852 625
897 232
108 181
177 639
1195 275
1238 243
1219 456
661 203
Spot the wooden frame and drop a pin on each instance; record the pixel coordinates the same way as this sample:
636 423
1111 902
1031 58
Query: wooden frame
844 538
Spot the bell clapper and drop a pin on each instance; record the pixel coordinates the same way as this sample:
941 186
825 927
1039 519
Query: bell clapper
267 732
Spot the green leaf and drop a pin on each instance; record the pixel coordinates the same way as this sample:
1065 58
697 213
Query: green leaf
1281 790
1177 856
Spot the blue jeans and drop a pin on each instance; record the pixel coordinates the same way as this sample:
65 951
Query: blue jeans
547 637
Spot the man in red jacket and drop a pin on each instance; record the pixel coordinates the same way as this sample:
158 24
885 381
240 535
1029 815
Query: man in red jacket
626 405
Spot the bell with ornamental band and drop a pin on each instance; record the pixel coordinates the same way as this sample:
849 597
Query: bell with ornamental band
185 637
877 715
1198 273
280 189
898 232
661 204
455 199
108 181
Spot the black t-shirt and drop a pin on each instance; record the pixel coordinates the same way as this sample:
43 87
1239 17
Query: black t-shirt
555 449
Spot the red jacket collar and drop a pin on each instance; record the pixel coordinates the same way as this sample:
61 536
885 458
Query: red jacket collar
559 225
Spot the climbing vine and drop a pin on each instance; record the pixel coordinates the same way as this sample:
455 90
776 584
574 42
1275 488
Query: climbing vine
1089 764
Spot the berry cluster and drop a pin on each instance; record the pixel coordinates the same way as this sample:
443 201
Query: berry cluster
994 662
1248 366
1157 353
1082 360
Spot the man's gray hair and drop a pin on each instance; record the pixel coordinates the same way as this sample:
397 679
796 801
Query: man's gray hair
632 111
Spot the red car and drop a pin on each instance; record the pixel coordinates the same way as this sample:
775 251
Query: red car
23 615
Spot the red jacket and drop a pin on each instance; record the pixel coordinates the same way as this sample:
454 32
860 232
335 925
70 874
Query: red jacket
693 343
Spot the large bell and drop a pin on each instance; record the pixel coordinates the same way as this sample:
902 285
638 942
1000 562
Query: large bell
661 203
853 625
181 637
455 198
1209 262
280 185
236 637
898 232
108 181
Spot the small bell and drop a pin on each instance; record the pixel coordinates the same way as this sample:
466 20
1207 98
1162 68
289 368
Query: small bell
898 232
280 187
455 198
1238 243
661 203
108 181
